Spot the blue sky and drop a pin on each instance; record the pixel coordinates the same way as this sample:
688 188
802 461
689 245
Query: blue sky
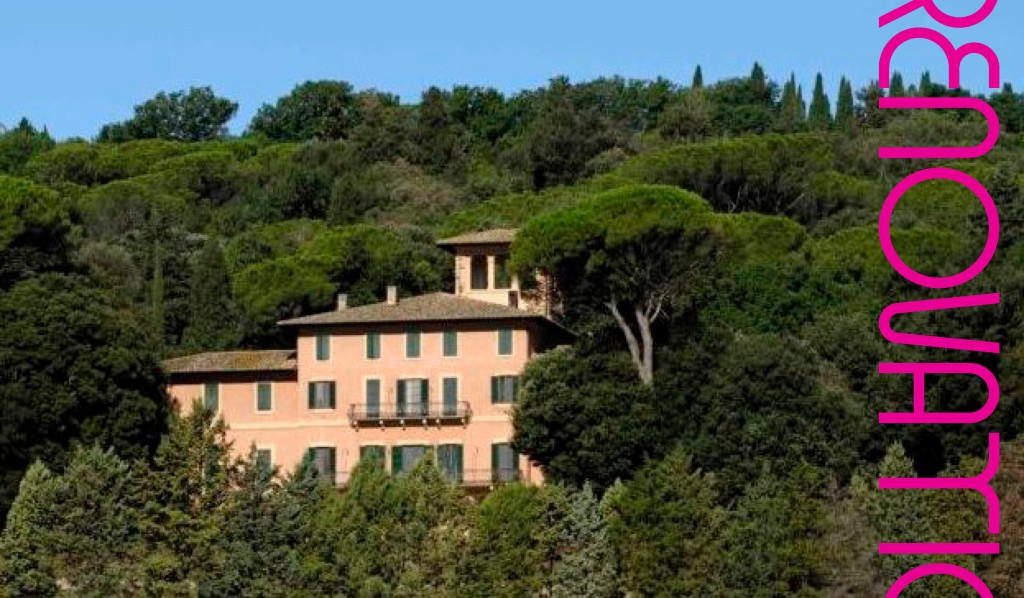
75 65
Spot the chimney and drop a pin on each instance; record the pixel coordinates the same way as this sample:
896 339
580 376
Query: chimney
392 295
342 301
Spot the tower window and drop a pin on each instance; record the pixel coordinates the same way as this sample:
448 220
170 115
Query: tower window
478 272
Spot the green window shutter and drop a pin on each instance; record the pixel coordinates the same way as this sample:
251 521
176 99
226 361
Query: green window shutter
502 278
515 390
373 345
373 398
451 343
263 460
333 464
312 394
458 462
211 396
323 347
332 393
412 343
264 398
396 460
495 462
495 389
478 272
400 397
424 395
505 341
450 391
372 454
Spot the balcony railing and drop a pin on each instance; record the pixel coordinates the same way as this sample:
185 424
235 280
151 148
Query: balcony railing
487 477
470 478
419 413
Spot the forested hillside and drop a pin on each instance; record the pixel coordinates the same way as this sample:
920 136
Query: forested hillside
713 432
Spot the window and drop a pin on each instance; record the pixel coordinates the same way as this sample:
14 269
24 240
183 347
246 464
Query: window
505 341
373 345
323 347
450 391
504 463
264 460
404 458
373 455
451 343
373 398
502 278
211 396
449 457
504 389
321 395
323 458
413 397
264 397
478 272
412 343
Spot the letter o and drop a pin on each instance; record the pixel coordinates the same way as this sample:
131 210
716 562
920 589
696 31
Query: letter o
939 569
933 282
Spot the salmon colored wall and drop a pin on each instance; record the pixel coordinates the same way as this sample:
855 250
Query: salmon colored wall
292 428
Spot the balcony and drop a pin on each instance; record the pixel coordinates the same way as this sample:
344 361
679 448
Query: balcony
486 477
469 478
410 415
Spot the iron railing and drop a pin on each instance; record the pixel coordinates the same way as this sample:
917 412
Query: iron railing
411 414
474 478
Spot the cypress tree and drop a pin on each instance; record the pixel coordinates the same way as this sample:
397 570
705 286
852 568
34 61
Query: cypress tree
212 317
791 114
757 76
924 89
896 87
844 107
157 312
820 116
759 85
698 78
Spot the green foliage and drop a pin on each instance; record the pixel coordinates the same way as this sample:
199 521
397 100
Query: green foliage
584 419
33 231
193 115
819 117
21 144
844 107
213 321
75 369
773 541
507 554
313 110
766 174
359 260
767 398
666 528
792 109
563 138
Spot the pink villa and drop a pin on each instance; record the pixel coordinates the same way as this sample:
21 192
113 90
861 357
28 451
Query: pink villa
433 374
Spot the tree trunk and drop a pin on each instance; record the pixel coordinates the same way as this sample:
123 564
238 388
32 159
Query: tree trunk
643 322
642 354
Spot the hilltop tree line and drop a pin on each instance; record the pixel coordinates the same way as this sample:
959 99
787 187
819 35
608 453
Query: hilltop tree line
711 432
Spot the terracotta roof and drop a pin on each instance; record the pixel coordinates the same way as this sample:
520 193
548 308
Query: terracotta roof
435 307
232 361
485 237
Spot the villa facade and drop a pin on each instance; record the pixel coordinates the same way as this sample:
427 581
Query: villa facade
432 375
